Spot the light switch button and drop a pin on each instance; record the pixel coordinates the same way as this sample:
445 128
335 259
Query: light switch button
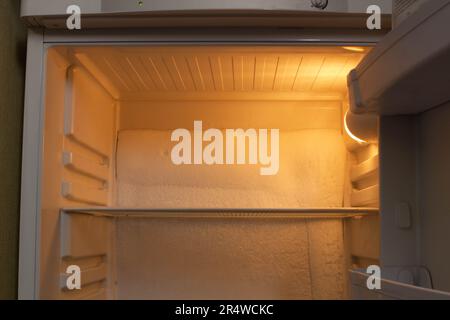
402 215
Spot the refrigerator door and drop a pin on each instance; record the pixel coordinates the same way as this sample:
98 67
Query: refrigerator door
408 71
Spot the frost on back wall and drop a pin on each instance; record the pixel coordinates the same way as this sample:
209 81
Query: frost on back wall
266 259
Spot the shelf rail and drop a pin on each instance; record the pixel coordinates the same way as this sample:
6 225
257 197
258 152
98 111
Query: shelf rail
288 213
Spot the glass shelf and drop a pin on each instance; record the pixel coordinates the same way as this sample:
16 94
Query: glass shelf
291 213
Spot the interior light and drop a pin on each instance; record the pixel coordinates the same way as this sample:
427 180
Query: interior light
354 49
350 133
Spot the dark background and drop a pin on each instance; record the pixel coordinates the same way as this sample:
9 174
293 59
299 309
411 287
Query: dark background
12 71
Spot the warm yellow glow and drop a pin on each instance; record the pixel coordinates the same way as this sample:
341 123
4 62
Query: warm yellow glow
350 133
355 49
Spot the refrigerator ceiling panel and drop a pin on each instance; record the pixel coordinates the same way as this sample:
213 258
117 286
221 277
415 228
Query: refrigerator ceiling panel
156 72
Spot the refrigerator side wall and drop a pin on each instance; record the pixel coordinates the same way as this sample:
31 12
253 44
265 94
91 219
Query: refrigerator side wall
31 164
78 136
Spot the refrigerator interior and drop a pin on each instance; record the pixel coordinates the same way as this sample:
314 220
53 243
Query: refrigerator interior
141 227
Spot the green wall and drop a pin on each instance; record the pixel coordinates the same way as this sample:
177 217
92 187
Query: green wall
12 69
